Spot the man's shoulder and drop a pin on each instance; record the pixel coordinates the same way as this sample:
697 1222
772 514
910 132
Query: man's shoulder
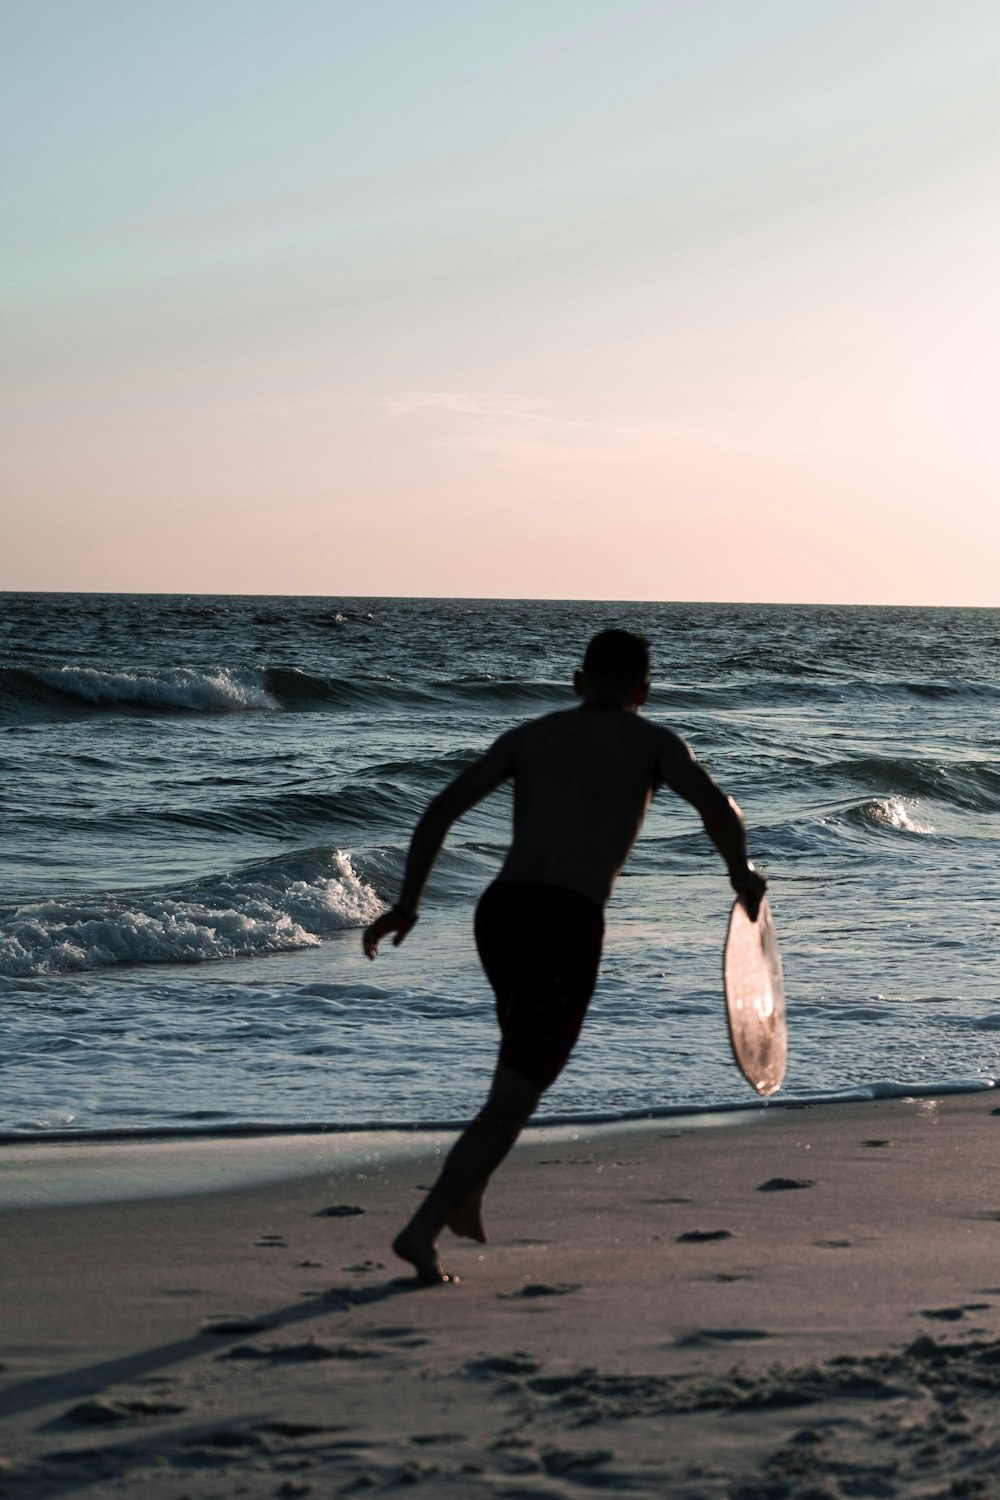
670 749
543 732
545 723
664 734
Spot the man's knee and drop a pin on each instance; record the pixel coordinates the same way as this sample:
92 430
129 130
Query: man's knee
512 1100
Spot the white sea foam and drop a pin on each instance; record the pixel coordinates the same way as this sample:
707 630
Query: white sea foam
898 812
271 910
223 690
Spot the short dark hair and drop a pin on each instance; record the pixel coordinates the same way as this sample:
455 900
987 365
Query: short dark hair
618 656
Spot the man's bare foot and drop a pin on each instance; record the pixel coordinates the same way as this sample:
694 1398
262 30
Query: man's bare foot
467 1219
422 1255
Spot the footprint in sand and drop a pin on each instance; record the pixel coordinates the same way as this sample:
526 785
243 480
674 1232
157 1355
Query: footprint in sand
954 1314
785 1184
565 1460
280 1428
224 1326
270 1242
703 1236
339 1211
346 1297
542 1289
402 1337
226 1437
101 1411
294 1353
720 1336
305 1353
517 1363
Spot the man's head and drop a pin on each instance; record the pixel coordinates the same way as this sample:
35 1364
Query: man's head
615 667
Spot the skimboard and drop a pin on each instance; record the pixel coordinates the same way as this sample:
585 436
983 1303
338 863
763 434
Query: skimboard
755 998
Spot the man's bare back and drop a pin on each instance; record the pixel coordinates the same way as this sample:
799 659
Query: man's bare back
583 780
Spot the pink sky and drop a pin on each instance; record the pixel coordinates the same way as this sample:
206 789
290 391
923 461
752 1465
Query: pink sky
573 300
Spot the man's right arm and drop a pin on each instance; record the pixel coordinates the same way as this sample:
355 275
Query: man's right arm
721 816
469 787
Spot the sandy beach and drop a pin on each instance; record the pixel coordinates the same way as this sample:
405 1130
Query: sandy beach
798 1301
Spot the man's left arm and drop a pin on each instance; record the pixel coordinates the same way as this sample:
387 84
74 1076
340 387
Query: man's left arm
469 787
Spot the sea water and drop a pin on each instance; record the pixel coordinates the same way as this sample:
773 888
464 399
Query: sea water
204 800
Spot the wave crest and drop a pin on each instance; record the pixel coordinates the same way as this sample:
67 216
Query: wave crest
896 812
271 907
220 691
35 693
972 785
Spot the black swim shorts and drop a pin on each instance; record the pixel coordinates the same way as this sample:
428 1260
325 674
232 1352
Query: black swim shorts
541 947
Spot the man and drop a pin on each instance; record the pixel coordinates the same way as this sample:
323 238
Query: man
583 779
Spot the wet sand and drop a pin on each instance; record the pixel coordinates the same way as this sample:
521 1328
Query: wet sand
798 1302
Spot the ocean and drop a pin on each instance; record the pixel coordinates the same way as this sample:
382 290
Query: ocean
204 800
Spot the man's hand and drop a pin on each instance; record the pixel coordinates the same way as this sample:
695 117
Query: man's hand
749 885
393 920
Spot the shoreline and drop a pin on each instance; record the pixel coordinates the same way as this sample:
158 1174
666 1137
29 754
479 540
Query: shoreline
119 1165
662 1311
85 1172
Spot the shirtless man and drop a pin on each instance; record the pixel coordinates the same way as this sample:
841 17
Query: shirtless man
583 779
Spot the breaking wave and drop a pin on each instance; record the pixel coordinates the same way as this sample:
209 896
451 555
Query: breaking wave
970 784
271 907
61 691
39 693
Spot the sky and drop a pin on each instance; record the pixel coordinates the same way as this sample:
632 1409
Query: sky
609 299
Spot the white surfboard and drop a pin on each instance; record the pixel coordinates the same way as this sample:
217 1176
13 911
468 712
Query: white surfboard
755 998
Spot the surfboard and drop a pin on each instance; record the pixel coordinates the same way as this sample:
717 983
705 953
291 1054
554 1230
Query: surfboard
755 998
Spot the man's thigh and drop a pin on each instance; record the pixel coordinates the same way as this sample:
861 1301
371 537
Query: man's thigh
541 948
